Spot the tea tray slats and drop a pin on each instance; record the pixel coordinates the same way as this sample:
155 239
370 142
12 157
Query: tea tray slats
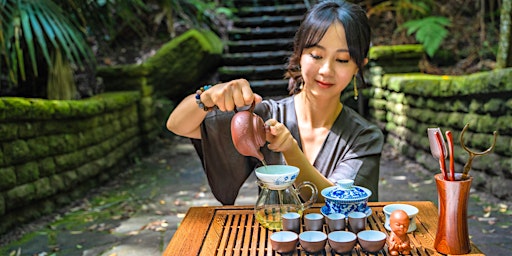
233 230
242 235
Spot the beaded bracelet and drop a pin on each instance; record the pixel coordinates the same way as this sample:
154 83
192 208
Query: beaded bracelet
198 98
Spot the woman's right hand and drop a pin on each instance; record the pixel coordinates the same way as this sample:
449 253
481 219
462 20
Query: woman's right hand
185 120
230 95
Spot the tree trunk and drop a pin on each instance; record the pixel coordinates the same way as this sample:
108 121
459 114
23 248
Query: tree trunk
504 58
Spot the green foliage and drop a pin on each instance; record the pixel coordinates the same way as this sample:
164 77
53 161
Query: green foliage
403 9
108 19
38 28
196 13
430 31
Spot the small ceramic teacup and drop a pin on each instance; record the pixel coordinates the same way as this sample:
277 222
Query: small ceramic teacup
409 209
342 242
284 241
335 221
291 222
312 241
277 176
356 222
371 241
314 222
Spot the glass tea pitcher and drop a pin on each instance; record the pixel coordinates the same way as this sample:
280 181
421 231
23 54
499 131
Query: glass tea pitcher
278 196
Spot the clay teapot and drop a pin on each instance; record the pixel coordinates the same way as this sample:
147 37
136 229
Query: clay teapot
248 132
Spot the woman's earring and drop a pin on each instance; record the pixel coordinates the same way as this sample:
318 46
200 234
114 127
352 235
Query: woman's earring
356 94
301 86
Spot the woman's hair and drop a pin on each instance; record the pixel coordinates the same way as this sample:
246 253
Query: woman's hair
314 26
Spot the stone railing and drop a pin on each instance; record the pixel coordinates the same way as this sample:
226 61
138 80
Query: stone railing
177 69
405 105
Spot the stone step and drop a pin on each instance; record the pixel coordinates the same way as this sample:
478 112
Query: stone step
277 87
254 72
284 10
261 33
260 45
256 58
268 21
260 42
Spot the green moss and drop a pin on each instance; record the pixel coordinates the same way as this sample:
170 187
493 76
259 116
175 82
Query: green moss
183 61
87 171
86 108
396 52
27 172
494 106
63 143
14 108
3 109
459 105
475 106
502 145
19 194
39 147
503 123
71 160
117 100
16 151
62 109
44 188
8 131
69 178
57 181
486 123
46 167
8 179
40 109
378 104
454 119
481 140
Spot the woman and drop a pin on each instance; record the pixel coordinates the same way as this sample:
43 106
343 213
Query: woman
311 129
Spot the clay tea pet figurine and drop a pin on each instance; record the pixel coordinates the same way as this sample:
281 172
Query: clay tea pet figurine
398 241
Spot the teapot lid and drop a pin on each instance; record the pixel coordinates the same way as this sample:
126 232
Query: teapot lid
346 191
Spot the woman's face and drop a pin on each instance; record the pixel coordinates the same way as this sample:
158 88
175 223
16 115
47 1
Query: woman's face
327 68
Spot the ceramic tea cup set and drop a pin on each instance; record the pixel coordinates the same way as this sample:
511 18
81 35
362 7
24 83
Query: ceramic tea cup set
314 240
280 209
345 214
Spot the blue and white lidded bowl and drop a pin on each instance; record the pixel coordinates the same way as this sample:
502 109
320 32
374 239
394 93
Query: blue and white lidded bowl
345 198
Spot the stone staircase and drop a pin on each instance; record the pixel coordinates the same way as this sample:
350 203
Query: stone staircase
259 43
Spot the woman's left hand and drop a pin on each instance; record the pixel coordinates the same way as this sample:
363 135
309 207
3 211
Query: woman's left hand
278 136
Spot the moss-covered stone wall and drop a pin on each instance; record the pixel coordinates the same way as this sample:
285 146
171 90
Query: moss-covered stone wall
405 105
53 151
177 69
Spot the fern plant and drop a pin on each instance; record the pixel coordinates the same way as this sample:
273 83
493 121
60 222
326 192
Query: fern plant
31 31
429 31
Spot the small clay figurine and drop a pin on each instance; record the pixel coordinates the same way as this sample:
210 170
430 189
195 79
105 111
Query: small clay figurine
398 241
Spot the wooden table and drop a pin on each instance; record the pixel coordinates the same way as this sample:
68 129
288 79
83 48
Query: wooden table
233 230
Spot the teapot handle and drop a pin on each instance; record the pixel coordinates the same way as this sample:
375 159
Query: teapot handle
314 193
251 108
